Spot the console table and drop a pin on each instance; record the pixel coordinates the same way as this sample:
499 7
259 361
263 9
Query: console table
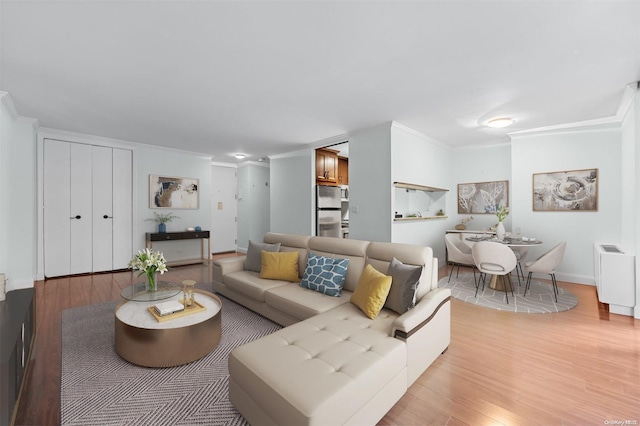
176 236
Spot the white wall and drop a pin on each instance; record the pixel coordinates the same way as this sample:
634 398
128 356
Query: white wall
418 159
152 160
479 164
18 192
292 192
148 160
370 214
572 149
253 203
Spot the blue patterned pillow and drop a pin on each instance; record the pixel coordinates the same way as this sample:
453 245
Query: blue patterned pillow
325 274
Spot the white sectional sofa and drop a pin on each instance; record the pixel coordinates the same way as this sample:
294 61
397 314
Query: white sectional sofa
331 364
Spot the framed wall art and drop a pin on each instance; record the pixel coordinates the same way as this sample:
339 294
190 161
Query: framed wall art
482 197
170 192
571 190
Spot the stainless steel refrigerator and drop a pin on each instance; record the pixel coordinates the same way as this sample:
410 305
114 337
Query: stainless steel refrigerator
328 211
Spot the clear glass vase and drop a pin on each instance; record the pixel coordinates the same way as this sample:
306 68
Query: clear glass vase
152 281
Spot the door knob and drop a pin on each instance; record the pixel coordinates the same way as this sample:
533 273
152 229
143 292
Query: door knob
107 217
76 217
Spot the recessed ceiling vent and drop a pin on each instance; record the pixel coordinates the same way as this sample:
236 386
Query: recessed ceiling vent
609 248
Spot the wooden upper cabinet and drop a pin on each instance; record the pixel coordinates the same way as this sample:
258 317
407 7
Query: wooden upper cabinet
343 171
326 166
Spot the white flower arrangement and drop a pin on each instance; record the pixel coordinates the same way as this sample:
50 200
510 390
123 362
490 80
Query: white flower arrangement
149 263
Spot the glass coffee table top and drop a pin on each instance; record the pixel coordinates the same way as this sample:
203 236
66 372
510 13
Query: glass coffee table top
138 293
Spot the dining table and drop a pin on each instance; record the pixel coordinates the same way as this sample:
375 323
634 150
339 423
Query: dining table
494 283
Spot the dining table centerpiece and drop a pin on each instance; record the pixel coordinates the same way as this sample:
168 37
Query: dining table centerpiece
149 263
501 214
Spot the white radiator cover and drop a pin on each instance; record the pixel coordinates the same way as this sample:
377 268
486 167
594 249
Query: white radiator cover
615 277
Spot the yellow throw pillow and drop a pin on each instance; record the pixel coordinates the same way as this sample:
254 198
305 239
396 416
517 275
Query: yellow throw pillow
279 266
371 292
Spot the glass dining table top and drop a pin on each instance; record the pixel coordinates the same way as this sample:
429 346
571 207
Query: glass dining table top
507 241
138 292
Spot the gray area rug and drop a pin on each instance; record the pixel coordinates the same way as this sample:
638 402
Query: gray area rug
539 298
100 388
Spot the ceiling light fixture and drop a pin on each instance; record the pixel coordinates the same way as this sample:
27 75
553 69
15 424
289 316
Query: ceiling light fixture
498 123
261 159
240 156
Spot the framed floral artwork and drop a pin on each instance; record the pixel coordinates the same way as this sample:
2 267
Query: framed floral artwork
482 197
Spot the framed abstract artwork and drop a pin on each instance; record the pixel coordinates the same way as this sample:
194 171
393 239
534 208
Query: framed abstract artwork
170 192
566 191
482 197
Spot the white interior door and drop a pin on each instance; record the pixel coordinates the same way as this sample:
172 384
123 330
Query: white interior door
122 207
57 208
224 209
102 211
81 209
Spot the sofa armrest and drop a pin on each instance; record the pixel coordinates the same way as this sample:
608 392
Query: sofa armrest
417 317
222 267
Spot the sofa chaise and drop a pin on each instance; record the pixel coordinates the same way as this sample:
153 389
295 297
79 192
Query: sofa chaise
332 364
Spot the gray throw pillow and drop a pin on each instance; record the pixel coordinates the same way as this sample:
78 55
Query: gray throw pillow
253 261
404 284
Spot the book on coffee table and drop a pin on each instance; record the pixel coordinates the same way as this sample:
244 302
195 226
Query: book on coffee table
167 308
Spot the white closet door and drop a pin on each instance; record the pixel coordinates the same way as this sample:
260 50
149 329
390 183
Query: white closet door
57 205
102 191
81 206
122 207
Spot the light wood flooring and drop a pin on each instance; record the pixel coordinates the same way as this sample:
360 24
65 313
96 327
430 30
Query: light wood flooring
580 367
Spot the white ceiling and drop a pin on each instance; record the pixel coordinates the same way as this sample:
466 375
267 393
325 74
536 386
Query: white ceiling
268 77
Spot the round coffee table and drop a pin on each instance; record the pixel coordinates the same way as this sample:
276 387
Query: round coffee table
142 340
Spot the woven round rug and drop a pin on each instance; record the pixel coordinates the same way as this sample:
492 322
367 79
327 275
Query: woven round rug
539 298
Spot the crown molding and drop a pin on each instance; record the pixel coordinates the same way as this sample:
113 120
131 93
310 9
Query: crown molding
254 163
49 133
222 164
9 105
626 100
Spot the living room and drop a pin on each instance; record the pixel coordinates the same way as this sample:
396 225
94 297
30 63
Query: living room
382 151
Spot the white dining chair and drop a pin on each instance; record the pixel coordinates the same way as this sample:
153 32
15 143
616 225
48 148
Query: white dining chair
494 259
546 264
458 254
521 254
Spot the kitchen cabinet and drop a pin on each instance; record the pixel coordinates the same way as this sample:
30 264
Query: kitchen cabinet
343 171
326 166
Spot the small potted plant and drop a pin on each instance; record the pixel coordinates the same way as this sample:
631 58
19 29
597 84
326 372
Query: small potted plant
162 219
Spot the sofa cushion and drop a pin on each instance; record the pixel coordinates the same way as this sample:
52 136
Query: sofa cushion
354 250
321 370
253 261
291 242
250 284
279 266
325 274
380 255
404 285
371 292
301 302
